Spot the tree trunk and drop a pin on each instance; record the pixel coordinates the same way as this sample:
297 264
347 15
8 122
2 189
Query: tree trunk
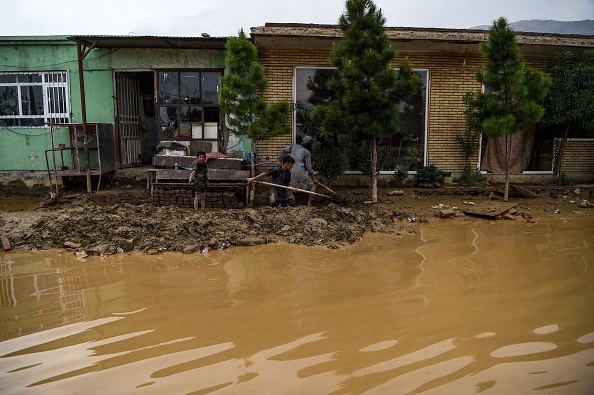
507 164
373 171
252 186
557 170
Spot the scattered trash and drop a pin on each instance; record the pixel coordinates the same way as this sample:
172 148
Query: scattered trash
206 250
224 246
120 250
127 186
412 219
469 203
557 211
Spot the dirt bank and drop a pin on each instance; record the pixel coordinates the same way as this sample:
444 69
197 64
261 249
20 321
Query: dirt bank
121 218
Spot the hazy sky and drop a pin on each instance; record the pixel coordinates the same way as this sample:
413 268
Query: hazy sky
226 17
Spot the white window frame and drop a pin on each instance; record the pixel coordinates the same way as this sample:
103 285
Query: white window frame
48 83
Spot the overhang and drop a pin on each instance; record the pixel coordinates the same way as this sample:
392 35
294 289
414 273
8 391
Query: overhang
406 39
151 42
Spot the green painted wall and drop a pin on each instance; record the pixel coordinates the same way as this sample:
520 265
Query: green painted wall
24 148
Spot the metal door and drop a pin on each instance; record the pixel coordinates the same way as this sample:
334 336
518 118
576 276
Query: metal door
129 120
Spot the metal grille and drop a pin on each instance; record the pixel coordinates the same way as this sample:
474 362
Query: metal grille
129 120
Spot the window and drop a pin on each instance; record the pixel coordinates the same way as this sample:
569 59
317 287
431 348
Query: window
188 104
406 147
33 99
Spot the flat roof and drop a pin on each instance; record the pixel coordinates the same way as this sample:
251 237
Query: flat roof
316 36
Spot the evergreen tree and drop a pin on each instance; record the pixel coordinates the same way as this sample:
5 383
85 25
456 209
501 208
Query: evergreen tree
368 90
569 106
242 97
511 102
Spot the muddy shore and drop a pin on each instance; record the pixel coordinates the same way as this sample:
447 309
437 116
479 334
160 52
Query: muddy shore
121 219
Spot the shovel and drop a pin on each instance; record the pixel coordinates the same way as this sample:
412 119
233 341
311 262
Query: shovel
339 198
291 188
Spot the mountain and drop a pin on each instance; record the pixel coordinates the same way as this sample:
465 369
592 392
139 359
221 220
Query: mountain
550 26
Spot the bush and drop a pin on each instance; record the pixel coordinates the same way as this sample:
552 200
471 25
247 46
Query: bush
330 162
430 177
401 173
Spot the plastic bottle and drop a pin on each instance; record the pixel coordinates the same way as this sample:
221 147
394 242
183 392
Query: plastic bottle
176 166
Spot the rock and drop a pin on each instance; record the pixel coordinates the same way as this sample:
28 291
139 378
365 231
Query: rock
395 193
318 222
577 191
152 251
285 228
447 213
5 243
81 254
508 217
71 244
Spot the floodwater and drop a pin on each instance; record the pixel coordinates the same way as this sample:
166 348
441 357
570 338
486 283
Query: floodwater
466 306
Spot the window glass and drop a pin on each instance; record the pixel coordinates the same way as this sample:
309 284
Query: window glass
22 100
407 147
32 100
211 87
169 88
191 114
190 88
7 79
9 100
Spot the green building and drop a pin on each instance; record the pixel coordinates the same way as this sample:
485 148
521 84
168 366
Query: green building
138 93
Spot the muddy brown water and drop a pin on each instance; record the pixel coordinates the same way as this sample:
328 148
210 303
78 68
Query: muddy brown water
465 307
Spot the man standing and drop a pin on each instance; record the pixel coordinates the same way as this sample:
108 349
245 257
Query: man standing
302 175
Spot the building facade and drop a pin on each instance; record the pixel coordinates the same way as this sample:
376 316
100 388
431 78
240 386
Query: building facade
295 57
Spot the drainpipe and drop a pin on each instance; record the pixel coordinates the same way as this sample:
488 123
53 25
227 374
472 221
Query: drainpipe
83 106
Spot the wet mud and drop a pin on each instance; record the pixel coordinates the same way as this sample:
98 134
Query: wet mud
119 220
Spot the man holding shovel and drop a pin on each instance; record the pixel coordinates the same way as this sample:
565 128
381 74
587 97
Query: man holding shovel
280 175
302 175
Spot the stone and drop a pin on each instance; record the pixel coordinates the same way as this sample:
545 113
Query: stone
6 243
71 244
395 193
508 217
447 213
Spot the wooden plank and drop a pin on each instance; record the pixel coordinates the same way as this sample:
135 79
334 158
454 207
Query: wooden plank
489 209
228 174
225 163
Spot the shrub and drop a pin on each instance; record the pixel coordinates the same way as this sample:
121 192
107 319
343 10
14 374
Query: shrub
430 177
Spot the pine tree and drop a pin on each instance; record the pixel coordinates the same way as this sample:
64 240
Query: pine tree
243 100
368 90
511 102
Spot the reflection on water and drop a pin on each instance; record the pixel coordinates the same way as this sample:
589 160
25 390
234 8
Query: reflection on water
490 308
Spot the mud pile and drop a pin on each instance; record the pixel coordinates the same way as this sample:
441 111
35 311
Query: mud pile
99 230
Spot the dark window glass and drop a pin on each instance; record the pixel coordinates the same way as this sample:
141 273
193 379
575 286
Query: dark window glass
191 114
210 87
168 88
7 79
190 88
32 100
9 100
